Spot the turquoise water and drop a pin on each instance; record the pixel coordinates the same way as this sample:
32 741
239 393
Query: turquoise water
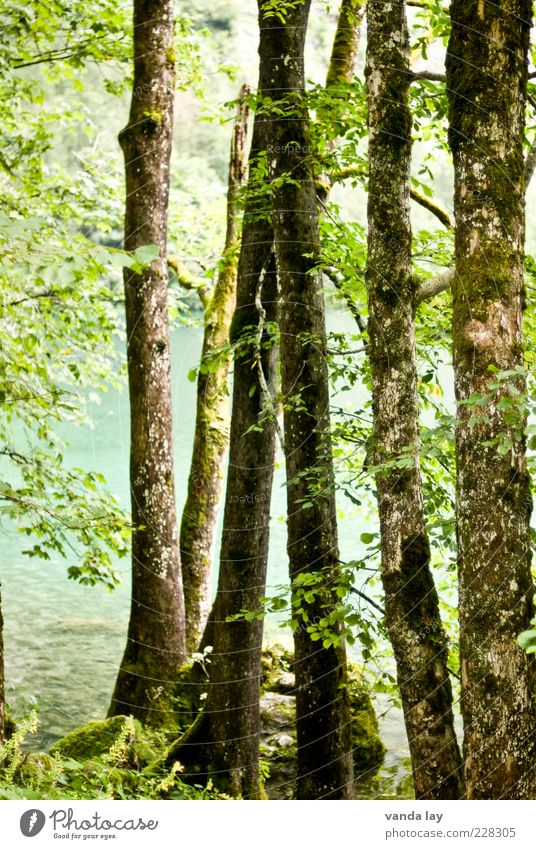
63 641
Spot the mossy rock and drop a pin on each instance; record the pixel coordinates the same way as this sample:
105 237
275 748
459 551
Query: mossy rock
95 739
276 669
113 777
368 748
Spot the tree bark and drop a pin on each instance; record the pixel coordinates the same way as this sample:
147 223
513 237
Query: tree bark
156 640
325 767
486 83
211 438
224 742
411 600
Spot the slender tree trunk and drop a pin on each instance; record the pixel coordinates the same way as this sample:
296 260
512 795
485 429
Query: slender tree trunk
325 768
345 43
224 741
156 640
411 601
486 82
211 438
235 674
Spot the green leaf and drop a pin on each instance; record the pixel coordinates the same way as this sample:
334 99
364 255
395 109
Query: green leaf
146 254
368 538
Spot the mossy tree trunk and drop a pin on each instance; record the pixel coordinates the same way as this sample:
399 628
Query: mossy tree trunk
156 638
224 741
411 600
486 83
325 768
345 43
211 437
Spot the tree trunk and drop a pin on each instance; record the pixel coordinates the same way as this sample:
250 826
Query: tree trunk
345 43
486 83
411 601
224 741
156 642
211 438
325 768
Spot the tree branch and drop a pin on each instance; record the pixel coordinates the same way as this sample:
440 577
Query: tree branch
338 281
434 76
190 281
367 598
358 171
427 203
434 286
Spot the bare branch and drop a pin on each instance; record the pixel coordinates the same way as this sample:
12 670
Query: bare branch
434 286
434 76
367 599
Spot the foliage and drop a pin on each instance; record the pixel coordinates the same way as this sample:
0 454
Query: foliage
108 772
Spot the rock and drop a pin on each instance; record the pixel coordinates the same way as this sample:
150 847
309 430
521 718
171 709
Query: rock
278 743
276 672
278 723
95 739
367 745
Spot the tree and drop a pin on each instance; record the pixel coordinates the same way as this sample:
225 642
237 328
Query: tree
486 83
211 438
224 740
156 635
233 675
325 768
411 602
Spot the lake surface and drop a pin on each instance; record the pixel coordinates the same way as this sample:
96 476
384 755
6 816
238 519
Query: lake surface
64 642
